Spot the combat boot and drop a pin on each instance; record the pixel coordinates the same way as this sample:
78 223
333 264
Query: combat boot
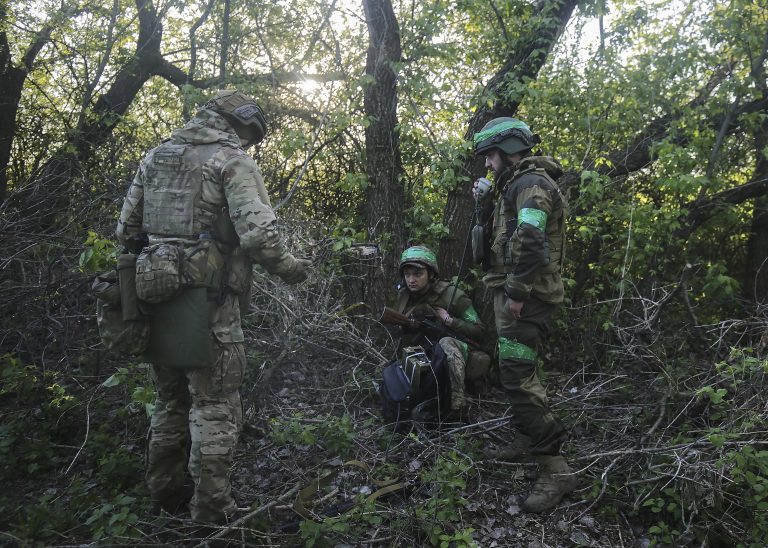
516 451
175 503
555 481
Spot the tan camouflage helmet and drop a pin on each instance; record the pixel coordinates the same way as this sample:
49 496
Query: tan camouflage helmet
239 110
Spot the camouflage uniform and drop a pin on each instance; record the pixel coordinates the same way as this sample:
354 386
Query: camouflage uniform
465 364
229 224
527 239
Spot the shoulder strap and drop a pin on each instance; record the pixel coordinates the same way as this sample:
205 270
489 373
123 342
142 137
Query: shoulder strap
402 300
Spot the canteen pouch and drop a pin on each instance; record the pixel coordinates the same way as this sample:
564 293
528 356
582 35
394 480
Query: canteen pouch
158 272
180 335
120 335
126 273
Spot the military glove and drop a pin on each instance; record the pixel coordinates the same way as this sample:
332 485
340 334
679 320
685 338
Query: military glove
297 273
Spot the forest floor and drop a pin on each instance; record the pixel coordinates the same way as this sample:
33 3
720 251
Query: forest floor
654 465
311 406
314 415
451 488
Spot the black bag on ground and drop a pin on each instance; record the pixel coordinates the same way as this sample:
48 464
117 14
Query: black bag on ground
413 380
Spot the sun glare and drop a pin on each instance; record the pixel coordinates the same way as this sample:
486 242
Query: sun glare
309 85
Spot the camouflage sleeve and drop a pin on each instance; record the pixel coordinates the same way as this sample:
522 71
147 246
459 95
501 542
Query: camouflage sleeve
130 220
466 320
252 215
528 242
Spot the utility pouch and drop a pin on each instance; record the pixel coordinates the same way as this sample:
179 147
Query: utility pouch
180 334
511 226
478 243
203 265
239 272
121 335
158 272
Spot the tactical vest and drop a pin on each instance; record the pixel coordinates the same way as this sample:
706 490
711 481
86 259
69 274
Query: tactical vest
505 221
422 307
437 297
173 190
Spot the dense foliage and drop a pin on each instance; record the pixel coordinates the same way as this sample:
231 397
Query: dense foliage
657 110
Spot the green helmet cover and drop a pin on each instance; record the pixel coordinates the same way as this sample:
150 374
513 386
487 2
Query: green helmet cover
421 256
509 135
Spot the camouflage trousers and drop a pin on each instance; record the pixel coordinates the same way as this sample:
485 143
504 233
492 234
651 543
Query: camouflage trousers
464 365
195 427
519 342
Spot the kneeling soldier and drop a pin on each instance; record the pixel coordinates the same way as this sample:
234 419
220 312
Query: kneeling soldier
424 295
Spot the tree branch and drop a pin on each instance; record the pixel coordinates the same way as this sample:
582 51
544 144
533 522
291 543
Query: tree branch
528 55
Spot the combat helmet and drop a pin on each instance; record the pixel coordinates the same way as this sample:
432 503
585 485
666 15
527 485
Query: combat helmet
420 256
509 135
239 110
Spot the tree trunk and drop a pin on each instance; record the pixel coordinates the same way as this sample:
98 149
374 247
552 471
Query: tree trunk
385 194
756 282
224 51
54 181
529 53
12 80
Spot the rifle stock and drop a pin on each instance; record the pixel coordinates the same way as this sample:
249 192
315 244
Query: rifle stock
391 316
429 328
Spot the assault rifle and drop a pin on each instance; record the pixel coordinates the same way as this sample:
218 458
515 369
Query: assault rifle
428 327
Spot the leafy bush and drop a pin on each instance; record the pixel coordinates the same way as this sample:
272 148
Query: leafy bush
99 254
334 433
114 519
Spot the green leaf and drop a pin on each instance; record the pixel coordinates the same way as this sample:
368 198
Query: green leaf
113 380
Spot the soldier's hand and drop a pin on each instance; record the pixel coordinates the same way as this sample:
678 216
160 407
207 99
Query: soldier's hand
481 188
443 315
515 307
298 273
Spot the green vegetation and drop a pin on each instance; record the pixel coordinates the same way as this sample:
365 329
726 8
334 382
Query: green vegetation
657 112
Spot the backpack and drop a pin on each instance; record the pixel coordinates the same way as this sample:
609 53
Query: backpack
413 380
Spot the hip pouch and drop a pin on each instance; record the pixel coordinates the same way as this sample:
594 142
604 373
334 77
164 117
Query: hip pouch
158 272
121 335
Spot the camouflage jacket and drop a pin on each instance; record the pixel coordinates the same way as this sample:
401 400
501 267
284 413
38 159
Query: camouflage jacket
440 294
527 231
230 205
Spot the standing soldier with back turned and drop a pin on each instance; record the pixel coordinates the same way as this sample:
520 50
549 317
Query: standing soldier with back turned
200 199
525 237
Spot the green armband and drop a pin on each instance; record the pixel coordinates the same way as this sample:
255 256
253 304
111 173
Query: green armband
470 315
534 217
515 350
